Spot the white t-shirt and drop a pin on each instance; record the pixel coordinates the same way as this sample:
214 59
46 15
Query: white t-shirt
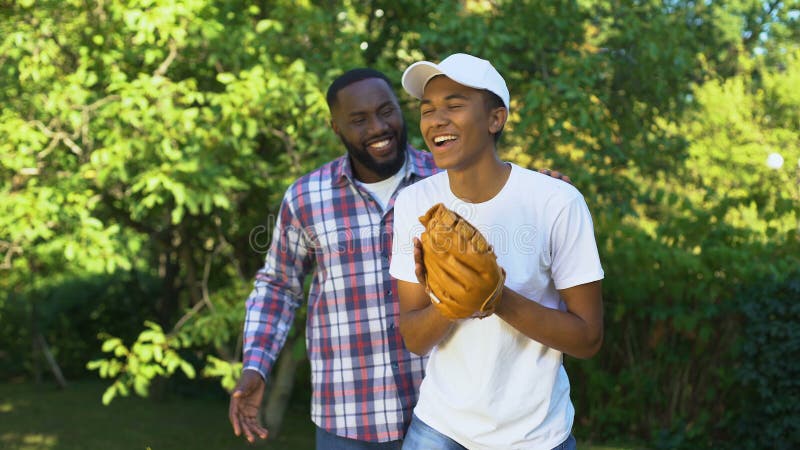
488 386
382 190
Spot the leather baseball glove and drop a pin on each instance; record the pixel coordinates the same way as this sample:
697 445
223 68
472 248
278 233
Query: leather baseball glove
462 276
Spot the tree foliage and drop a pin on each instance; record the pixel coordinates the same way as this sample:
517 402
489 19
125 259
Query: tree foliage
156 137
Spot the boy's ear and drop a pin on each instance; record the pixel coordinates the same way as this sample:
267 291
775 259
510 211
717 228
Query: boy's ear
498 118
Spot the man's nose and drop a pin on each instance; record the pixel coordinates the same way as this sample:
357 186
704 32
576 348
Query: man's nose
377 125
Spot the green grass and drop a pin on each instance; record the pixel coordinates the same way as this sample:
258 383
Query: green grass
43 417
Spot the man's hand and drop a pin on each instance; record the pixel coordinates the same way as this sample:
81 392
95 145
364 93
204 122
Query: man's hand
556 174
245 404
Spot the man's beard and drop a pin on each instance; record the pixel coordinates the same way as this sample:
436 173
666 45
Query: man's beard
382 169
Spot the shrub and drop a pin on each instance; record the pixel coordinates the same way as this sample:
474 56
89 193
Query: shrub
69 315
770 370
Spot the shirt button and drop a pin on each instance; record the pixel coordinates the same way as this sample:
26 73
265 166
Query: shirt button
389 292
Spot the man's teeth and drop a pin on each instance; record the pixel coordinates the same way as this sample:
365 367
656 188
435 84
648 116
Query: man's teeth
380 144
443 139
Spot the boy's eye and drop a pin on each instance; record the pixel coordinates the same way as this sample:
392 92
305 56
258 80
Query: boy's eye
426 111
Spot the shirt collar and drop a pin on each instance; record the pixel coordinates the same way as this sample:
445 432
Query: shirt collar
415 167
419 164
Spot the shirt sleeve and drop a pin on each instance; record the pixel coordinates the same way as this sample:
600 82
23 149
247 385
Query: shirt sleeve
406 227
277 292
573 247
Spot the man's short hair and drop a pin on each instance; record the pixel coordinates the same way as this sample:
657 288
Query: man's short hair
350 77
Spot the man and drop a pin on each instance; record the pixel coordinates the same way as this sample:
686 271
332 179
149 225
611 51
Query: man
496 382
335 224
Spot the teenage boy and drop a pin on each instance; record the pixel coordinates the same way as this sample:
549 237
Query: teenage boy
496 382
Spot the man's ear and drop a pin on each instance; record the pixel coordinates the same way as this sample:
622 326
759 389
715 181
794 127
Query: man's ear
333 126
498 118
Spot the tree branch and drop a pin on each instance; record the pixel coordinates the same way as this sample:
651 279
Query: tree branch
173 53
57 136
288 142
10 249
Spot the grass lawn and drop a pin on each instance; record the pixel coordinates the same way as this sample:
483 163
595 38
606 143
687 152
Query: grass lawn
43 417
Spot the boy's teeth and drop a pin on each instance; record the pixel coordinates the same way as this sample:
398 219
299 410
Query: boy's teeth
440 139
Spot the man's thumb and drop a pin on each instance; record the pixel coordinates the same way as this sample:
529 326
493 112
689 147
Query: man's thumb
241 390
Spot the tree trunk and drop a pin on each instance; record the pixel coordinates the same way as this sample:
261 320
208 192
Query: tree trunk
39 347
167 303
51 360
280 391
36 366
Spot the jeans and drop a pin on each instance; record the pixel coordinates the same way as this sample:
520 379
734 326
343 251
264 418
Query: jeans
420 436
330 441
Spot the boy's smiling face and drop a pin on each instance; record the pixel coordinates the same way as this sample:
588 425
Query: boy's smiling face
457 123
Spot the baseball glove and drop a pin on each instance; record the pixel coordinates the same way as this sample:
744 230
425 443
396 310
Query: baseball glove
462 276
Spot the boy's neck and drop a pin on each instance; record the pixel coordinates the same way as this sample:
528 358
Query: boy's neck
480 182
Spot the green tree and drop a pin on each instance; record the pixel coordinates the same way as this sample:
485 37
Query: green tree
157 137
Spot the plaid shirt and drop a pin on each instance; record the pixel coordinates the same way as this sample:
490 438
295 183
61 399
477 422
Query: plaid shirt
364 380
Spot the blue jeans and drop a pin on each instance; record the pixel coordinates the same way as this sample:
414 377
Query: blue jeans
330 441
420 436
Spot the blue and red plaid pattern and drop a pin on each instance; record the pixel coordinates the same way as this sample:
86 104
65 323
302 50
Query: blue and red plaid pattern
364 380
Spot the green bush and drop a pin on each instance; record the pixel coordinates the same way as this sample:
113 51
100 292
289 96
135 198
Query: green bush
15 342
682 336
770 370
69 315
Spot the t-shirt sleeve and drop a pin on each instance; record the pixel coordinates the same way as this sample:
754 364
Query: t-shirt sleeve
406 227
573 247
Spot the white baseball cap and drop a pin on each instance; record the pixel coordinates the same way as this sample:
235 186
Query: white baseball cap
462 68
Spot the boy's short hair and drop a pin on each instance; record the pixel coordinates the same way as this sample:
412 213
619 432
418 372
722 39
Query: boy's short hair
493 101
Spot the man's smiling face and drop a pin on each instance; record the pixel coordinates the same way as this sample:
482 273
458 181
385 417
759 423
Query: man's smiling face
368 120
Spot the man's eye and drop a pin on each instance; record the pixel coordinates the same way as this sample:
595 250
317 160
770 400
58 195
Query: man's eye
357 121
387 112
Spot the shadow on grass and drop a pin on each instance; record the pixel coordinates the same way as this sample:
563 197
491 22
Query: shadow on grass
42 417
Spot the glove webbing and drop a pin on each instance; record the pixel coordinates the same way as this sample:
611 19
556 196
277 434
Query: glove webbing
492 299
